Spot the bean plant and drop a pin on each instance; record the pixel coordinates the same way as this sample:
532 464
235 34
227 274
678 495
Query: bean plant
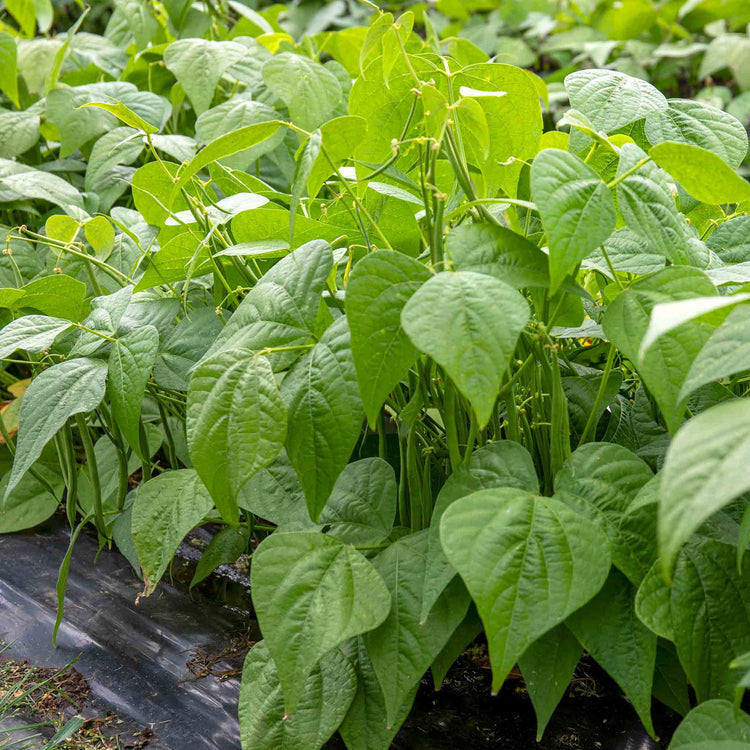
446 369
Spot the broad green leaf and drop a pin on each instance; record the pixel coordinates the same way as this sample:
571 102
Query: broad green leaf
627 252
328 692
576 209
497 251
690 164
100 235
601 481
666 364
131 360
275 493
19 131
311 593
362 507
379 287
74 386
281 309
223 549
198 64
547 666
463 636
403 647
704 471
652 603
152 186
699 123
226 145
324 414
365 726
310 91
609 630
711 614
236 423
503 463
105 173
58 295
670 681
30 503
528 562
126 115
165 509
32 333
731 240
340 138
645 202
8 67
182 257
611 99
713 725
105 317
43 186
469 324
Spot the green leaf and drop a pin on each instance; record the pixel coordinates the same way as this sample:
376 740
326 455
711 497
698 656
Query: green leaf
42 186
690 164
611 99
165 509
311 593
609 630
547 666
463 636
601 481
30 503
324 414
340 138
700 124
670 680
703 472
469 324
236 423
310 91
645 202
74 386
131 360
100 235
328 692
32 333
19 131
58 295
8 67
126 115
379 287
365 726
182 257
223 549
226 145
305 159
711 613
497 251
198 64
281 310
403 647
731 240
151 185
503 463
666 364
362 507
652 603
576 209
714 725
528 562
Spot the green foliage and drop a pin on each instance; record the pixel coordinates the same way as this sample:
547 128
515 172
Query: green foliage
247 249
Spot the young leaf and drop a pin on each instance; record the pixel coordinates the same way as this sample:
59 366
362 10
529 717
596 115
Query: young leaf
236 424
311 593
469 324
328 692
547 666
705 469
74 386
379 287
609 630
362 507
402 648
324 413
131 360
165 509
711 613
30 503
340 138
690 164
8 67
576 209
713 724
58 295
528 562
126 115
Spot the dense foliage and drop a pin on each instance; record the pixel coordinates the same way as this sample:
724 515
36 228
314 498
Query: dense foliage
450 346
